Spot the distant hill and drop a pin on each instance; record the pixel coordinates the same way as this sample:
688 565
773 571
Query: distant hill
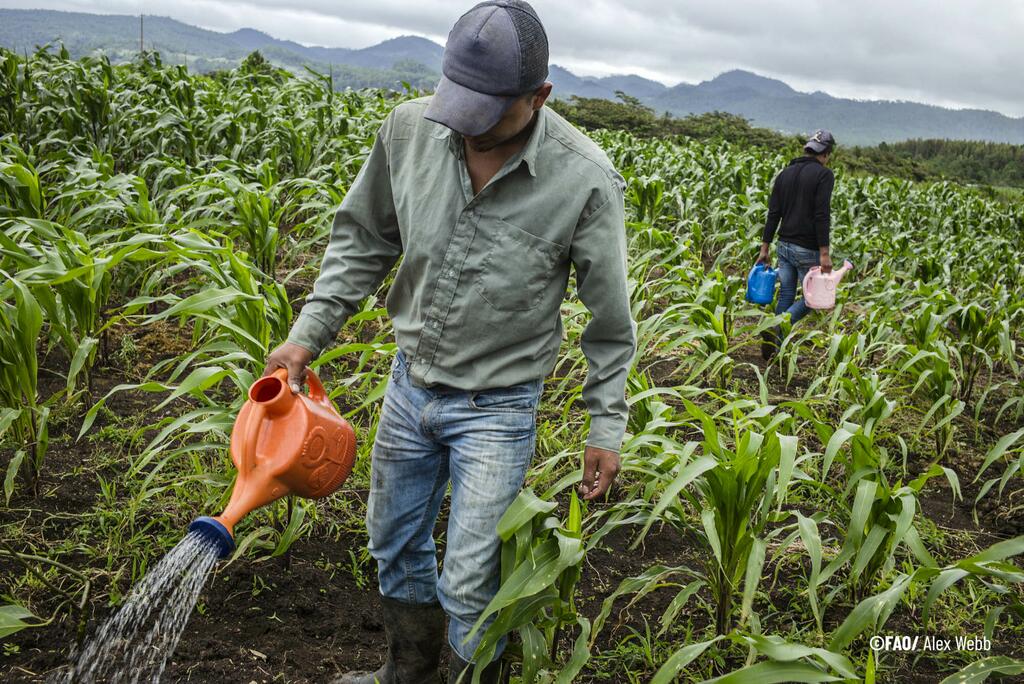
764 101
773 104
383 55
386 65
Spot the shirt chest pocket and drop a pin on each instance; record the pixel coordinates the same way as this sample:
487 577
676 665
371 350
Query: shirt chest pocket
517 266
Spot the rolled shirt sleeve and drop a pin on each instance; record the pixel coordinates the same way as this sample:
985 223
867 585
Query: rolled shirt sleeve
364 245
598 254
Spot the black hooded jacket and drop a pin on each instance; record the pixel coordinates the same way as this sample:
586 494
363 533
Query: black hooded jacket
801 199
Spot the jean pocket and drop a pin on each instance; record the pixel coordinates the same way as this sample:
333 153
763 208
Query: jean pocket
398 366
518 267
516 399
803 257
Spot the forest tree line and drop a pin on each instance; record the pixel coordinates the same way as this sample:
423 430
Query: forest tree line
965 161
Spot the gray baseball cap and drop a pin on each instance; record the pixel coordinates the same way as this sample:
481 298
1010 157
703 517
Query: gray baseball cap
821 141
496 52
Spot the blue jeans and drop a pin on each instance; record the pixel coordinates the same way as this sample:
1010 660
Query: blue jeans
483 442
794 262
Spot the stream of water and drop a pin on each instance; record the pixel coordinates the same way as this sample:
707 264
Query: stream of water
133 645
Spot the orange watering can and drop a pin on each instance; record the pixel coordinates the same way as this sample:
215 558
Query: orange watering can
282 443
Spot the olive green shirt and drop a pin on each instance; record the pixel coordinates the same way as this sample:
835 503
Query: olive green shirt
476 301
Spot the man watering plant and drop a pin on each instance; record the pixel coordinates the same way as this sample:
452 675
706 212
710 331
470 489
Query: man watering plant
801 200
489 197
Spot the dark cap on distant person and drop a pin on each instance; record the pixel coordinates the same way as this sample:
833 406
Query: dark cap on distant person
496 52
821 142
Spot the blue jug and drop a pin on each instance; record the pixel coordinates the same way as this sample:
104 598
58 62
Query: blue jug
761 284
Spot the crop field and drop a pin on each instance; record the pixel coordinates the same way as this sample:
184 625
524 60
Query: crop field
159 233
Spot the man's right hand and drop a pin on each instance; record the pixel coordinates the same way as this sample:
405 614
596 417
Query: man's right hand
293 358
765 256
825 261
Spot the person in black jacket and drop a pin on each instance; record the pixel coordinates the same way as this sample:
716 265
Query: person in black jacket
800 200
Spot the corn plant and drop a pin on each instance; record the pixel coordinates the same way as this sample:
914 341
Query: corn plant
1009 450
736 490
881 520
988 569
540 566
934 373
981 337
21 319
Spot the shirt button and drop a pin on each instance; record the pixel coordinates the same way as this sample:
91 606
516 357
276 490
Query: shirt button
451 274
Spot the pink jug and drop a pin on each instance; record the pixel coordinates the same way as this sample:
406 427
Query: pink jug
820 288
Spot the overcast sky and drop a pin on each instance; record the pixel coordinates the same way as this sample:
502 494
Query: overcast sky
956 53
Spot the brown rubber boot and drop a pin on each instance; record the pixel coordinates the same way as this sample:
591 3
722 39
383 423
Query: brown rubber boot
414 634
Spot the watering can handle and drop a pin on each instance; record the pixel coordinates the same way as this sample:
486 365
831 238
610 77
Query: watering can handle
316 388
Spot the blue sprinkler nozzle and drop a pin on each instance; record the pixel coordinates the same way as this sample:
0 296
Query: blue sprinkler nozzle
213 531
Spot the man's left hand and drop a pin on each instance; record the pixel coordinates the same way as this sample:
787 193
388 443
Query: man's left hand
600 467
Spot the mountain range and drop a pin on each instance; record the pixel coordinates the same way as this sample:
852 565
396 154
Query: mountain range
766 102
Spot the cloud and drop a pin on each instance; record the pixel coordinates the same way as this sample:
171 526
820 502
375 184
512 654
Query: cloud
953 54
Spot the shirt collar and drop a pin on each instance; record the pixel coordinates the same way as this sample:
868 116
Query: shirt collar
528 154
532 148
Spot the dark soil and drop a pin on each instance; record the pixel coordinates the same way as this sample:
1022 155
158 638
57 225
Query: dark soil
310 615
309 620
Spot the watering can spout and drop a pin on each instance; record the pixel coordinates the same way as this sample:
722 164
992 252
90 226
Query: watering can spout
282 443
215 532
842 270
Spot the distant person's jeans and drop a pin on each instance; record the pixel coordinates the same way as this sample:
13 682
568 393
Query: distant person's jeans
794 262
483 442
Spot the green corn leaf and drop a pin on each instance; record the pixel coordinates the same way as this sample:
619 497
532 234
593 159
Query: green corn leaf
687 475
773 673
198 380
875 538
779 650
861 510
871 613
204 301
681 658
82 353
259 538
812 542
12 472
292 530
553 556
945 580
579 656
840 437
980 670
755 565
535 652
1001 447
7 418
997 552
14 618
654 577
787 461
525 508
707 519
